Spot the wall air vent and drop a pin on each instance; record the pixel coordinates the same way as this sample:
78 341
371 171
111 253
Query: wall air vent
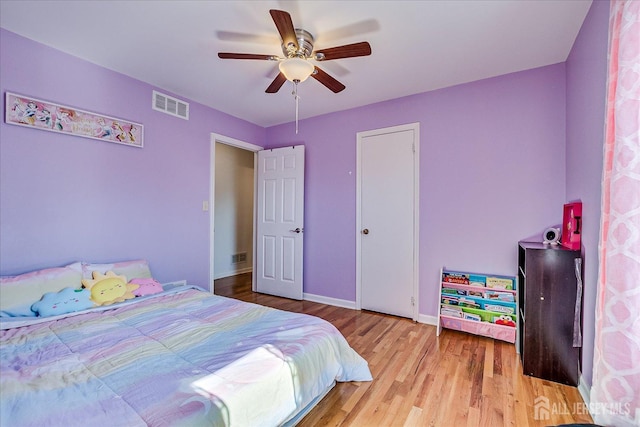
170 105
238 258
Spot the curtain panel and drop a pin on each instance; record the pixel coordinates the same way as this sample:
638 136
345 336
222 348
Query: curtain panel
615 393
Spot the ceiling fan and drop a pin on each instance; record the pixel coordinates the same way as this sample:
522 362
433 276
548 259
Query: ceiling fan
297 47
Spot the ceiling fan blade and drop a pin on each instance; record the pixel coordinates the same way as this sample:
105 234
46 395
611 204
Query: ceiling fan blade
285 27
346 51
231 55
331 83
276 84
351 30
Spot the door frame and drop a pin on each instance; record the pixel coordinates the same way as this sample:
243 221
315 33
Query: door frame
215 138
415 127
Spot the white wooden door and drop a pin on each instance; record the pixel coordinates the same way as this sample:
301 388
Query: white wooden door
387 220
279 221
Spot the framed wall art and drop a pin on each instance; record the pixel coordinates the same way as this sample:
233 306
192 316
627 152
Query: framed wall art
37 114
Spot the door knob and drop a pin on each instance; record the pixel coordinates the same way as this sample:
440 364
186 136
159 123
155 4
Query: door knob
297 230
365 231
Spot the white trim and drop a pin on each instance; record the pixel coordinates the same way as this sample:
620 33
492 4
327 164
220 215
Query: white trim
585 392
415 127
416 219
428 319
329 301
235 142
212 189
358 223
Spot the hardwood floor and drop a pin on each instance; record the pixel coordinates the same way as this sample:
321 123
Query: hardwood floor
456 379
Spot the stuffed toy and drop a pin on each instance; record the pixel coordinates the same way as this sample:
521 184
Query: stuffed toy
65 301
109 288
505 320
146 287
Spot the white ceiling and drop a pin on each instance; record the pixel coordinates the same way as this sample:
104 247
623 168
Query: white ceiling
417 45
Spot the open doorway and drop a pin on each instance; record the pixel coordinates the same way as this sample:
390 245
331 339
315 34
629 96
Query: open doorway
232 202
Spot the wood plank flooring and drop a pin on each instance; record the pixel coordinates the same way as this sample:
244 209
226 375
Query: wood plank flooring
456 379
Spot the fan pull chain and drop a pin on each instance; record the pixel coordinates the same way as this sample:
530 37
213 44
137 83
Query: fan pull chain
297 98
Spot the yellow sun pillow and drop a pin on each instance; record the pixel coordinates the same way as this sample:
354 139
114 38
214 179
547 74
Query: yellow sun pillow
109 288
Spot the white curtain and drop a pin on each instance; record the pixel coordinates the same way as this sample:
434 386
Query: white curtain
615 393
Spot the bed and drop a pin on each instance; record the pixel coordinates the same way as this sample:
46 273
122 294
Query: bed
177 357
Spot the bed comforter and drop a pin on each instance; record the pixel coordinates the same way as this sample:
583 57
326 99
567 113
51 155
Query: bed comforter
140 363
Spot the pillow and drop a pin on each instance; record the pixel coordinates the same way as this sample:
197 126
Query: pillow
146 287
17 293
67 300
109 288
132 269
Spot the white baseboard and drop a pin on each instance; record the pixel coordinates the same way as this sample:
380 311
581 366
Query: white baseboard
585 392
427 319
329 301
422 318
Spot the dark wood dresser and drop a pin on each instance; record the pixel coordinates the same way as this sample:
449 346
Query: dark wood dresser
550 294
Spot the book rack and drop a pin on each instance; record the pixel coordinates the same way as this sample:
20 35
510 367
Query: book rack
480 304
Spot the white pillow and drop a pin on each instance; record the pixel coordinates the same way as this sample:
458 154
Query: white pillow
136 269
17 293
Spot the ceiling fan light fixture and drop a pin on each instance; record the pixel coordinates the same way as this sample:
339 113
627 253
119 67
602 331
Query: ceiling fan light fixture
296 69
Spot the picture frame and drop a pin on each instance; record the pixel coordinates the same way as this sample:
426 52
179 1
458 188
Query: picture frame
35 113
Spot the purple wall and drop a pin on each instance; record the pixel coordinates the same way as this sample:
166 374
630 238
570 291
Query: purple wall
493 162
66 198
491 173
586 96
